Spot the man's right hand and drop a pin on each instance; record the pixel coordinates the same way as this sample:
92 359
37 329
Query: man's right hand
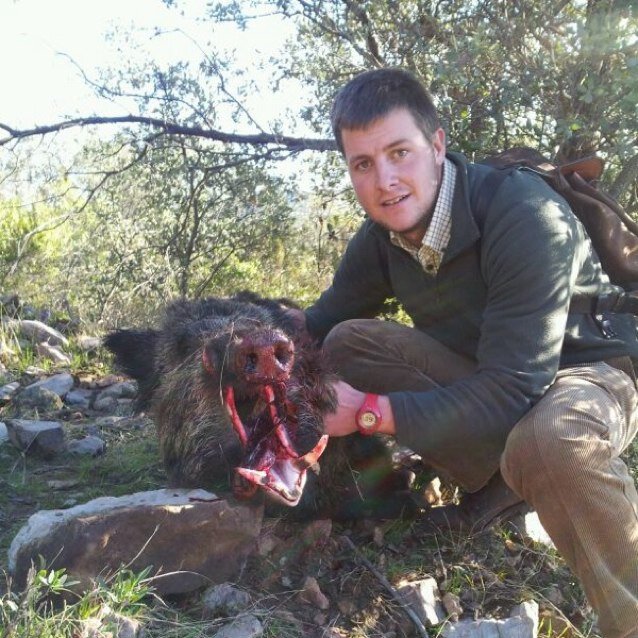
349 400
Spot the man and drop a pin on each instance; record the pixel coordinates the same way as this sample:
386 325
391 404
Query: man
497 380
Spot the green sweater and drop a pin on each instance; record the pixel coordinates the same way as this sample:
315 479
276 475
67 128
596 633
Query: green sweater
500 297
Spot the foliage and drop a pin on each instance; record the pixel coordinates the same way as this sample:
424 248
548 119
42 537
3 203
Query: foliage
177 203
44 609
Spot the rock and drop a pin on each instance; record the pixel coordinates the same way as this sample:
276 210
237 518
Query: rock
241 627
555 596
8 390
121 390
51 352
424 598
124 407
39 437
4 434
88 344
88 446
105 404
38 332
78 398
522 624
452 604
62 484
124 626
190 538
224 600
90 628
109 624
527 611
312 594
58 383
35 400
532 529
111 422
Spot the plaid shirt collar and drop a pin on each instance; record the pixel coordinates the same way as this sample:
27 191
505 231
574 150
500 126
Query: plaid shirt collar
437 235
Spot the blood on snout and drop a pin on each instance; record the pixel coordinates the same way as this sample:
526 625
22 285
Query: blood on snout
264 357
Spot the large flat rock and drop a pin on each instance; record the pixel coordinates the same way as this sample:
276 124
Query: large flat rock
191 538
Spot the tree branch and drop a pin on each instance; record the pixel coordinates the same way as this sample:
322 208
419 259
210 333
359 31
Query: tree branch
295 144
627 176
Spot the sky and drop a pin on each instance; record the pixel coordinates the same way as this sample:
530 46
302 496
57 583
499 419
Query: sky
39 82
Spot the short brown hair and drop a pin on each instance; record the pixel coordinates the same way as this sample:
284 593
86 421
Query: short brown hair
373 94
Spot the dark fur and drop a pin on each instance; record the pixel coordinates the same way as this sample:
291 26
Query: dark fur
199 446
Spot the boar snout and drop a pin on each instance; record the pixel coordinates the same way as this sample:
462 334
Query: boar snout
264 357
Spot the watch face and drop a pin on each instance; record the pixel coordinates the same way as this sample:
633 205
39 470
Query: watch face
367 419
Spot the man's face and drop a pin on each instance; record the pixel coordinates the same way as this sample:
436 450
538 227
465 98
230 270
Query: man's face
395 171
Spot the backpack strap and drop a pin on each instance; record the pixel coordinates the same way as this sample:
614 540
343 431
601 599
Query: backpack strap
480 200
482 196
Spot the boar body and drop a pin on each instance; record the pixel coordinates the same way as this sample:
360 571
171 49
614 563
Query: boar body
238 397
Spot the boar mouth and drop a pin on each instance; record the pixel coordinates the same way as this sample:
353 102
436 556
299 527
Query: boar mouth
271 460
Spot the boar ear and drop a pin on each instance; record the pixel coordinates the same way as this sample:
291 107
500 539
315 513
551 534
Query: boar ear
134 351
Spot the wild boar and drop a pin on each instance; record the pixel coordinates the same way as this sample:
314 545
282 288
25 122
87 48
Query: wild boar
238 395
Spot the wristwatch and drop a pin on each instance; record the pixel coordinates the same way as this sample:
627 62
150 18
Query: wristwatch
368 418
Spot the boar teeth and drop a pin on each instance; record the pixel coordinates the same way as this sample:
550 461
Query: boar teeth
284 439
309 459
238 426
254 476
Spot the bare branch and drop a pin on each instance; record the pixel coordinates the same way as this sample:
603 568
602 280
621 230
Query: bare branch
295 144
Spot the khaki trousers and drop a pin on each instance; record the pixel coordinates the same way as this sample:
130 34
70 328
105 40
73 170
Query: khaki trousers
562 457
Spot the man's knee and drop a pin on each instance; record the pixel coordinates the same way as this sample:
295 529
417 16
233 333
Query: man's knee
554 443
343 335
538 453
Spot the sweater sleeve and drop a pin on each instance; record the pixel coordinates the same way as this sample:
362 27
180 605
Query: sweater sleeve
531 250
359 288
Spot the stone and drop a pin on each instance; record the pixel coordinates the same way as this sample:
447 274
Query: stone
105 404
312 594
224 600
121 390
58 383
424 598
124 626
38 332
523 623
51 352
527 611
78 398
45 438
111 422
452 604
241 627
35 400
90 628
88 446
87 343
188 538
532 529
8 390
62 484
4 434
